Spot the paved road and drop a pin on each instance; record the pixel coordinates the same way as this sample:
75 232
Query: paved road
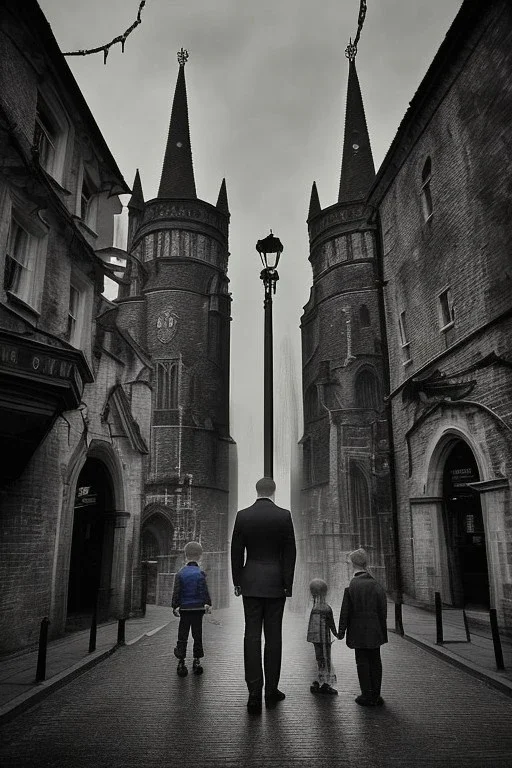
133 711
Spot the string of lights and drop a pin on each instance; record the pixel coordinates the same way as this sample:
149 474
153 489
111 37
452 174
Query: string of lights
119 39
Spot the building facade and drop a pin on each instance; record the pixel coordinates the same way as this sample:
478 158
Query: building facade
174 303
444 206
346 483
72 445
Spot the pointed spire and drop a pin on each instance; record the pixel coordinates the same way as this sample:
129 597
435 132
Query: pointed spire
222 200
137 198
357 168
177 178
314 202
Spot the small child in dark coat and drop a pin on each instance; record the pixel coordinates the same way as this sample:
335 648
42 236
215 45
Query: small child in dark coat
363 617
190 601
321 624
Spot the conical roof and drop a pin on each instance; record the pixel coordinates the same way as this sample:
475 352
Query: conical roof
137 198
177 180
222 200
314 202
357 168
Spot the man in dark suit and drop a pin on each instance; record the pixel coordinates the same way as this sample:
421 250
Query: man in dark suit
364 618
264 533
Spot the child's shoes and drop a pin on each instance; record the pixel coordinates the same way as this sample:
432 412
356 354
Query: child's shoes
196 667
182 669
325 688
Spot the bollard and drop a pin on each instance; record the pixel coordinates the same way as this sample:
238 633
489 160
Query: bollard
121 639
399 625
466 625
94 627
439 619
498 653
43 645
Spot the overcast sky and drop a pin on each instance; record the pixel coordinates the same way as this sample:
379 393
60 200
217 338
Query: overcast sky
266 88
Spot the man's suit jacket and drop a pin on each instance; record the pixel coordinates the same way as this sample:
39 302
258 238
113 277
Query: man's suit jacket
364 612
264 533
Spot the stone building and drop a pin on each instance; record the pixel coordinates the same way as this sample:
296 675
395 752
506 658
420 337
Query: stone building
345 484
175 305
444 202
72 446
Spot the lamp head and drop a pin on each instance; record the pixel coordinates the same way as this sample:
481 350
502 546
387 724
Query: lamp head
270 250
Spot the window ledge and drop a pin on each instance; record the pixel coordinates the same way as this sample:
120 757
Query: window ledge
429 218
447 327
12 297
407 362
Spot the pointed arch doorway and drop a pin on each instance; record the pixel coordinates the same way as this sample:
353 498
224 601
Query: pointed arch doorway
464 528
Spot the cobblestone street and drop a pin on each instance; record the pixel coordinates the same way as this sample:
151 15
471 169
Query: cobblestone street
133 710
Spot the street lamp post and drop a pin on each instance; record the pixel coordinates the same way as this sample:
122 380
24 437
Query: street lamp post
269 249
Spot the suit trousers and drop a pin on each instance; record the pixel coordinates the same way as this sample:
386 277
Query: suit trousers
263 613
190 620
369 671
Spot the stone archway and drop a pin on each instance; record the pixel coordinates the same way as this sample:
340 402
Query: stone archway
460 532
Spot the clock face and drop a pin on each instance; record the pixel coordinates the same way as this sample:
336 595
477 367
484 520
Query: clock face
355 146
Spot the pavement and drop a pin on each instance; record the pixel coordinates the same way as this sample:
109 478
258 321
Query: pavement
69 656
133 711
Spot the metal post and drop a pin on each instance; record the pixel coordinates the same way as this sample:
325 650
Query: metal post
466 625
43 646
94 625
439 619
498 653
144 587
399 625
268 404
121 638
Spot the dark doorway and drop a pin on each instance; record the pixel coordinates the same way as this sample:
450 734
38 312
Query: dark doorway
91 549
465 529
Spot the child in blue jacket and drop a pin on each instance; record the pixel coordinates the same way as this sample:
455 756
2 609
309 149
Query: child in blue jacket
190 601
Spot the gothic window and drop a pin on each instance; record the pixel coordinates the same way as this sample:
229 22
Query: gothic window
367 390
426 195
363 520
312 402
364 316
167 385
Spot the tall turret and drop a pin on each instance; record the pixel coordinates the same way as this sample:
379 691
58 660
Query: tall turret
176 306
345 433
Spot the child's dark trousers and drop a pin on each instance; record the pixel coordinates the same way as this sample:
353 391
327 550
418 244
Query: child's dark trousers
190 620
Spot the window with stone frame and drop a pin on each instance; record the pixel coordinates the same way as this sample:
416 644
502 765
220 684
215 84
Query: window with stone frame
364 520
167 383
446 309
51 130
312 403
367 390
24 261
426 194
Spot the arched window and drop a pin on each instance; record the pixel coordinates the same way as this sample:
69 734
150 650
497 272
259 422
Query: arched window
167 385
365 523
367 390
364 316
312 402
426 195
